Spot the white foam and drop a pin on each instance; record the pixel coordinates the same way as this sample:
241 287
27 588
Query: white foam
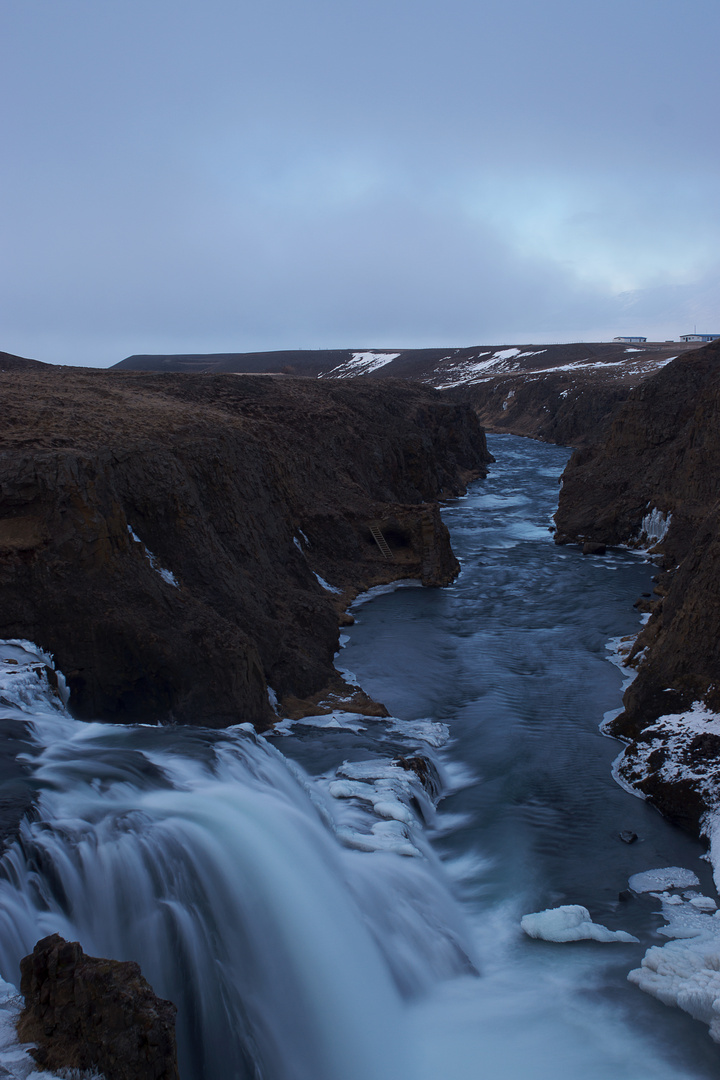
570 922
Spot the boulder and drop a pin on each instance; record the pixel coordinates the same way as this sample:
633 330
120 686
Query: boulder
87 1013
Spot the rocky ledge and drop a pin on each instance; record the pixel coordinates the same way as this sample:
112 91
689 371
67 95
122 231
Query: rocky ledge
94 1015
184 544
655 483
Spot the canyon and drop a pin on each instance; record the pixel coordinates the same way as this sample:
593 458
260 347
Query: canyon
186 546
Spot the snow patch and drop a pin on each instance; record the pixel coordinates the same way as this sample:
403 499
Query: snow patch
570 922
325 585
166 575
360 363
677 748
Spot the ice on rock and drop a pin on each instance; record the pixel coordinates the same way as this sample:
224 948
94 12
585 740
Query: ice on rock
660 880
167 575
328 588
570 922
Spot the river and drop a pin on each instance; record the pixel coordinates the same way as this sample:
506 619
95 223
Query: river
302 899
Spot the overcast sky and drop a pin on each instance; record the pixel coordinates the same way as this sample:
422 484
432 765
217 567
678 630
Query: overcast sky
230 175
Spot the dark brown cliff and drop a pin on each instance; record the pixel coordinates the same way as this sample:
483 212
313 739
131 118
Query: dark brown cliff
663 454
240 489
564 394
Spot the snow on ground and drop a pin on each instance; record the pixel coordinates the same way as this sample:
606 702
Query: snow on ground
360 363
166 575
679 748
570 922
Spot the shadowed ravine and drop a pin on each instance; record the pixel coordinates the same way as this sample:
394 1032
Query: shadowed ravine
326 922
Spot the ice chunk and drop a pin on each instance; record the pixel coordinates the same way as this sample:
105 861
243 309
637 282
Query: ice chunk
686 971
659 880
571 922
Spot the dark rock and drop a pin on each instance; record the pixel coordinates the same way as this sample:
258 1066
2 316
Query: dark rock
87 1013
590 547
220 476
627 836
625 895
663 452
423 769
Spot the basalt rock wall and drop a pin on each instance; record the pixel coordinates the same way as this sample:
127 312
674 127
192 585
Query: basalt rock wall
161 535
555 408
660 469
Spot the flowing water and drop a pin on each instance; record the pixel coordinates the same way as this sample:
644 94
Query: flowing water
304 901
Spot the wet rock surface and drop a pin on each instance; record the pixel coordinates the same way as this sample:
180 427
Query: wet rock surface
87 1013
164 535
660 469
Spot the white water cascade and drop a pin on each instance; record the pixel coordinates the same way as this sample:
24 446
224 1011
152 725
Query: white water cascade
210 860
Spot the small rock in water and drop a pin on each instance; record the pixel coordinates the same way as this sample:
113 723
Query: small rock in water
591 547
627 836
625 895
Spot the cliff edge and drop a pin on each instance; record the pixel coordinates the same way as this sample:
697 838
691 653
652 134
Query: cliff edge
181 543
655 483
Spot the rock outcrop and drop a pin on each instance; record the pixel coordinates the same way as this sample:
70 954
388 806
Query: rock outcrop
90 1014
655 482
164 535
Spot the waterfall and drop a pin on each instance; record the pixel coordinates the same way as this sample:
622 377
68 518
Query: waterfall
212 861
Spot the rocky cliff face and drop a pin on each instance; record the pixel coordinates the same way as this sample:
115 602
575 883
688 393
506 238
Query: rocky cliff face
656 482
564 394
161 535
90 1014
